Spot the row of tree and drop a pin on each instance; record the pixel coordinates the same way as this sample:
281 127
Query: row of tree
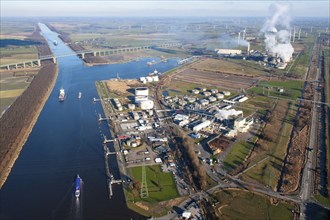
187 147
18 118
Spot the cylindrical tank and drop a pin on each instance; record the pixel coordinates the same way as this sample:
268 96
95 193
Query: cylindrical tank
131 106
146 104
141 91
140 98
220 96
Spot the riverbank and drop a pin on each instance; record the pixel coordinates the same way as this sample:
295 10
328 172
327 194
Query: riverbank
18 122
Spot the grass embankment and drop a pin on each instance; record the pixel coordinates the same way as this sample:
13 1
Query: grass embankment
265 166
238 204
161 188
237 155
300 65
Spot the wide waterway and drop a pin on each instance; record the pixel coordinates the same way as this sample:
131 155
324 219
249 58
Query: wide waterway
66 141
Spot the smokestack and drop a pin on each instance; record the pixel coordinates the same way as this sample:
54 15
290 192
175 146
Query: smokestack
248 49
299 34
239 37
244 33
294 34
290 40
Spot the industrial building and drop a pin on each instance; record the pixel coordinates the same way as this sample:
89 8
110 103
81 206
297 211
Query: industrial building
228 52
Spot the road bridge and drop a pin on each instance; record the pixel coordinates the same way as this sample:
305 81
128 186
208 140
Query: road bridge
83 53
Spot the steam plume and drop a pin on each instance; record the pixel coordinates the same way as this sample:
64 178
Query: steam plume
278 42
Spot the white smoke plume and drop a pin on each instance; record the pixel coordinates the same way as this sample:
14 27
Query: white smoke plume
278 42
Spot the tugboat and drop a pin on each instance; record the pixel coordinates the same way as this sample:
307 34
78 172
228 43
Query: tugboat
61 97
79 95
77 188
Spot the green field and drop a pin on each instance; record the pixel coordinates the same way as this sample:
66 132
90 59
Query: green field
237 155
237 204
300 65
292 89
265 167
161 186
15 54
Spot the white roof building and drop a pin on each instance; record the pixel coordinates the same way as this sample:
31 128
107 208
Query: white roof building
202 125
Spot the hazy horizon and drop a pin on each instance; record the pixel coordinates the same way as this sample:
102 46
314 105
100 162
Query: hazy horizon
149 8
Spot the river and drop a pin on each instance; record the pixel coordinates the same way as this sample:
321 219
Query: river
66 141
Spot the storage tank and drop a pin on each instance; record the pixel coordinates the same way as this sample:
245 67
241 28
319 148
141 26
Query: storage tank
140 98
226 93
212 99
146 104
220 96
131 106
141 91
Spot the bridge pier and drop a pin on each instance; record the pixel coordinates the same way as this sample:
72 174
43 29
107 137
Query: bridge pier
83 56
94 53
24 65
39 63
54 60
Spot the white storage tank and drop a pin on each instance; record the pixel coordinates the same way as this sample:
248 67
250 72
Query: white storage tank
214 91
138 99
226 93
212 99
141 91
219 96
195 91
131 106
146 104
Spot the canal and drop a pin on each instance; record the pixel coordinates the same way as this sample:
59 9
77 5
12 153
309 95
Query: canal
66 141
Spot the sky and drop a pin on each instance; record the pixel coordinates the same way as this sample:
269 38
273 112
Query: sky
156 8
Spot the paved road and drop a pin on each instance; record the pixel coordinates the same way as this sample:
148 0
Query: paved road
308 176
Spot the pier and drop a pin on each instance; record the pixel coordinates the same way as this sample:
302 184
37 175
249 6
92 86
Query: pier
103 119
110 179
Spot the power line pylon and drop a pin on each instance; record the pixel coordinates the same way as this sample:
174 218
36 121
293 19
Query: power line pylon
144 188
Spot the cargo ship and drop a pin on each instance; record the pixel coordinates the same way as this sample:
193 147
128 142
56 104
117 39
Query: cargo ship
79 95
77 188
61 97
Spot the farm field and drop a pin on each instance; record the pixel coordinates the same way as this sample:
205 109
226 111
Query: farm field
13 86
14 54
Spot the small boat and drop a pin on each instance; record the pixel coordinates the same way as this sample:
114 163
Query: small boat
78 184
61 97
79 95
55 43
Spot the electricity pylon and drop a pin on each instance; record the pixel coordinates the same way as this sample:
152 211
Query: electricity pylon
144 187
